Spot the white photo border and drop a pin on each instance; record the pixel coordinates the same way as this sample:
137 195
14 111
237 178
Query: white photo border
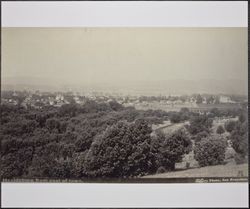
124 14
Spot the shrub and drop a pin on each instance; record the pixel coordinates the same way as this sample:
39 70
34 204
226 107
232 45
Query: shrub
220 130
210 151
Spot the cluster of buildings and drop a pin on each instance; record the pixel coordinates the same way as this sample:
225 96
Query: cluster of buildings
35 100
188 101
39 99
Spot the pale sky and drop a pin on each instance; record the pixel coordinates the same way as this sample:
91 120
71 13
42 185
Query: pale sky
84 56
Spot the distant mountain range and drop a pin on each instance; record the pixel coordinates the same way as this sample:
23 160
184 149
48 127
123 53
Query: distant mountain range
167 87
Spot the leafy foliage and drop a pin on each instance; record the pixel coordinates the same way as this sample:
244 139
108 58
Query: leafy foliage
99 139
200 123
210 151
239 138
172 148
220 130
199 99
121 151
230 125
199 136
53 142
175 118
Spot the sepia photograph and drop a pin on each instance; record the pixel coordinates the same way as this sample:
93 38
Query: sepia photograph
124 104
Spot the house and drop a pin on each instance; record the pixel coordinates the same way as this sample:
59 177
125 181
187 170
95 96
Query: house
59 97
204 100
225 99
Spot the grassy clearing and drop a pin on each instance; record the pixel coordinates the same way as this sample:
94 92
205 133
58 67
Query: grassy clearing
172 128
163 106
209 171
176 107
168 128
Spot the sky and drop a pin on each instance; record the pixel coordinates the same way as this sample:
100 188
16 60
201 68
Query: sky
208 59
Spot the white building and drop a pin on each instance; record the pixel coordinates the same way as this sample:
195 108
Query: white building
225 99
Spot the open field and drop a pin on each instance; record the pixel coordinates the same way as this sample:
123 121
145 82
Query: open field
162 106
165 124
191 106
167 127
172 128
209 171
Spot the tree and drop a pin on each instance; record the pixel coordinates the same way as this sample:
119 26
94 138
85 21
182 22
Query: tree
239 138
242 117
183 98
175 118
215 112
121 151
18 126
78 161
15 164
230 125
199 99
84 140
210 151
210 100
200 123
45 164
220 130
217 100
53 124
115 105
68 110
184 110
20 99
199 136
172 148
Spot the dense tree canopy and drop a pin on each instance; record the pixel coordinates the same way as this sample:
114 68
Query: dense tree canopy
122 150
106 139
239 138
220 130
46 142
200 123
210 151
172 148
